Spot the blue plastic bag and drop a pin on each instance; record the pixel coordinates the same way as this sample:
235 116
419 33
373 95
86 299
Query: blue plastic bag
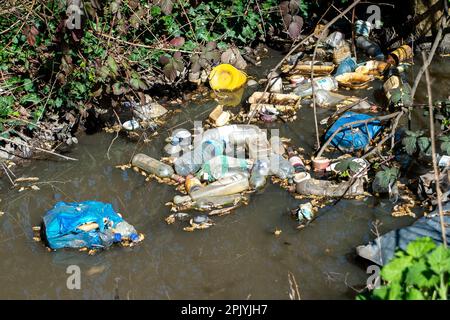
62 221
349 139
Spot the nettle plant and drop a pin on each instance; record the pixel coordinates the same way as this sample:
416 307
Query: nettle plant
415 141
422 272
348 167
386 177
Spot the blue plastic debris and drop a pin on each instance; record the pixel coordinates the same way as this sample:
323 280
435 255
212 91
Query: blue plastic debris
61 224
356 137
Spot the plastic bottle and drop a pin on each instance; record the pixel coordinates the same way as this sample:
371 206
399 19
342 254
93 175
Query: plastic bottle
226 186
153 166
400 55
335 39
347 65
276 145
192 183
260 171
258 148
234 133
328 99
219 166
325 83
295 161
363 28
369 47
126 230
191 161
329 189
281 167
108 237
209 203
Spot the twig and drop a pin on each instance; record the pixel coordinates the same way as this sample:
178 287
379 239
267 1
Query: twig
433 150
294 287
430 56
37 148
110 145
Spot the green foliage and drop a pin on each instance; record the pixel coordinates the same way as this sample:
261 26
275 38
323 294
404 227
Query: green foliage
422 272
49 66
445 144
386 177
347 166
415 140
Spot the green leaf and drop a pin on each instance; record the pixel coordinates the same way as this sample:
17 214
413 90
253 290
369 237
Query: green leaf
420 247
421 276
30 98
410 144
113 65
395 291
439 260
414 294
424 144
393 271
380 293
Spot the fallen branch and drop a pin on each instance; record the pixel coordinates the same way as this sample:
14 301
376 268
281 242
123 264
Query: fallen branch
37 148
433 150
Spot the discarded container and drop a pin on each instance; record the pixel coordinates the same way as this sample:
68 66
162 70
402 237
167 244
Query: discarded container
305 213
373 67
299 177
355 137
444 161
172 150
226 186
295 161
219 117
326 83
363 28
305 68
67 225
192 183
276 82
226 77
131 125
210 203
153 166
320 163
326 98
398 92
258 148
151 110
369 47
230 134
400 55
347 65
257 180
281 167
335 39
314 187
354 80
342 52
220 166
296 79
191 162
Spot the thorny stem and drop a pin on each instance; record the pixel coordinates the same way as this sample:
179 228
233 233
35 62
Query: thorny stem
433 150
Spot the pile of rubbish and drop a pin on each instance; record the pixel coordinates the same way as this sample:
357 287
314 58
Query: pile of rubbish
88 225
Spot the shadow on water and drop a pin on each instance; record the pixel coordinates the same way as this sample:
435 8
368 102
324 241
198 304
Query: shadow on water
237 258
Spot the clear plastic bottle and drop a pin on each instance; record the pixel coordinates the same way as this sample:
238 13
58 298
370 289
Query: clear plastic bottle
324 83
335 39
126 230
260 171
226 186
107 237
281 167
326 98
153 166
219 166
191 162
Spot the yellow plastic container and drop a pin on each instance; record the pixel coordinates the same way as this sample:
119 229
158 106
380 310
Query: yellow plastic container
226 77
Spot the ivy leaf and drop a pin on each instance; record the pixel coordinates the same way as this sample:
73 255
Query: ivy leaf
113 66
439 260
138 84
420 247
118 89
445 145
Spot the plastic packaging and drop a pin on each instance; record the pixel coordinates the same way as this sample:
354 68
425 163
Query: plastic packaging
191 162
369 47
226 186
260 171
192 183
329 189
342 52
347 65
281 167
363 28
126 230
335 39
219 166
276 145
325 83
226 77
295 161
152 166
326 98
400 55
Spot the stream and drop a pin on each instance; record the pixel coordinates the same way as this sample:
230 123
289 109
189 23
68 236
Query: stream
238 258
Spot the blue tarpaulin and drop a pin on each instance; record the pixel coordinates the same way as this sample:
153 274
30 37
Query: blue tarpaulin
355 137
62 221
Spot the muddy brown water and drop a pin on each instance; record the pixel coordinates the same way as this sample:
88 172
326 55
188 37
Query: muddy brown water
238 258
